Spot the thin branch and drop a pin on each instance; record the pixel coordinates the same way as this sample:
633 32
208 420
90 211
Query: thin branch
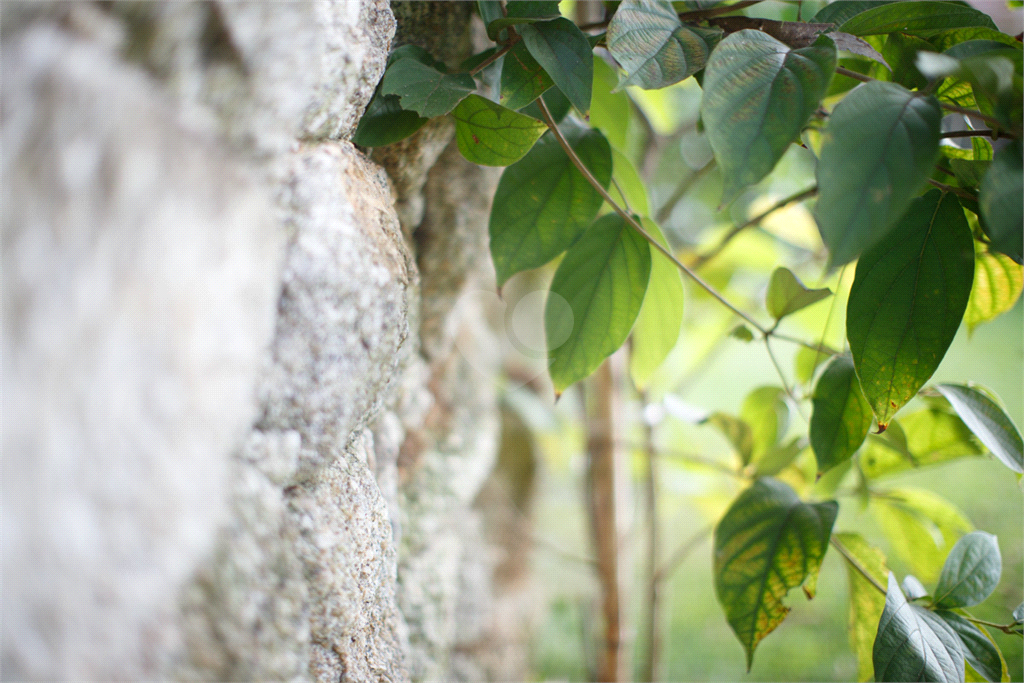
853 74
823 348
634 223
1005 628
682 552
837 544
955 190
513 39
974 113
782 203
778 371
984 132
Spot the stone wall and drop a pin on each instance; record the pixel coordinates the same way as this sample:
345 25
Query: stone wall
248 385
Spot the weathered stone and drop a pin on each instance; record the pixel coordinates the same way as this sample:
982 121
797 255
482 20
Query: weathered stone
140 271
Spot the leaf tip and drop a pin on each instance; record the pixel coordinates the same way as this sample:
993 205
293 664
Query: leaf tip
881 427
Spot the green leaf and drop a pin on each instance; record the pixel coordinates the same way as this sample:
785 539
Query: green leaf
758 94
609 111
778 458
491 135
424 89
564 52
900 51
767 543
866 603
998 283
927 437
385 122
840 417
786 294
632 186
947 39
916 18
743 333
603 278
988 422
921 526
807 361
971 571
543 204
536 9
558 104
839 13
980 651
877 152
913 644
661 317
489 10
908 297
766 411
1018 614
737 431
913 588
1002 206
653 47
522 79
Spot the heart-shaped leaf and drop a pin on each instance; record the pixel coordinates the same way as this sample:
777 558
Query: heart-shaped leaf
758 94
543 203
768 542
914 644
840 417
565 54
877 151
971 571
491 135
786 294
652 46
1001 201
424 89
603 278
988 422
908 298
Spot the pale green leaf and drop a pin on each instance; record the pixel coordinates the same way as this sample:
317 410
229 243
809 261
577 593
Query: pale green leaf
988 422
786 294
866 603
657 327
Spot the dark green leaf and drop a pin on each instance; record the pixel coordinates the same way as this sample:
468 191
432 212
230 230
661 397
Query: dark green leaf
1002 206
841 416
900 51
737 431
866 603
926 437
424 89
657 326
877 152
489 10
539 9
603 278
786 294
653 47
980 651
385 122
522 79
543 203
766 411
998 283
947 39
913 644
767 543
988 422
491 135
908 298
562 49
971 571
839 13
758 94
917 18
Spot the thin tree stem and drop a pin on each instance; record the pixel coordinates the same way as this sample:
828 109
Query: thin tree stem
853 74
837 544
782 203
634 223
987 133
1005 628
955 190
513 39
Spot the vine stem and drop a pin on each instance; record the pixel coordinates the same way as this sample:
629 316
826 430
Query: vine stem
513 39
633 223
955 190
838 545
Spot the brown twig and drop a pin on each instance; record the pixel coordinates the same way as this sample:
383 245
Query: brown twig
955 190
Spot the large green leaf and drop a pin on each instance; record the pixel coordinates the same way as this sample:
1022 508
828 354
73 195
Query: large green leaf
1002 206
564 52
916 18
980 651
522 79
925 437
988 422
877 151
758 94
652 46
998 283
786 294
424 89
657 327
841 416
385 122
491 135
971 571
914 644
603 278
908 298
921 526
543 203
767 543
866 603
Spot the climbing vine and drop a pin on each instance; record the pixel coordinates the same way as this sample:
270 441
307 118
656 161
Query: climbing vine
935 230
